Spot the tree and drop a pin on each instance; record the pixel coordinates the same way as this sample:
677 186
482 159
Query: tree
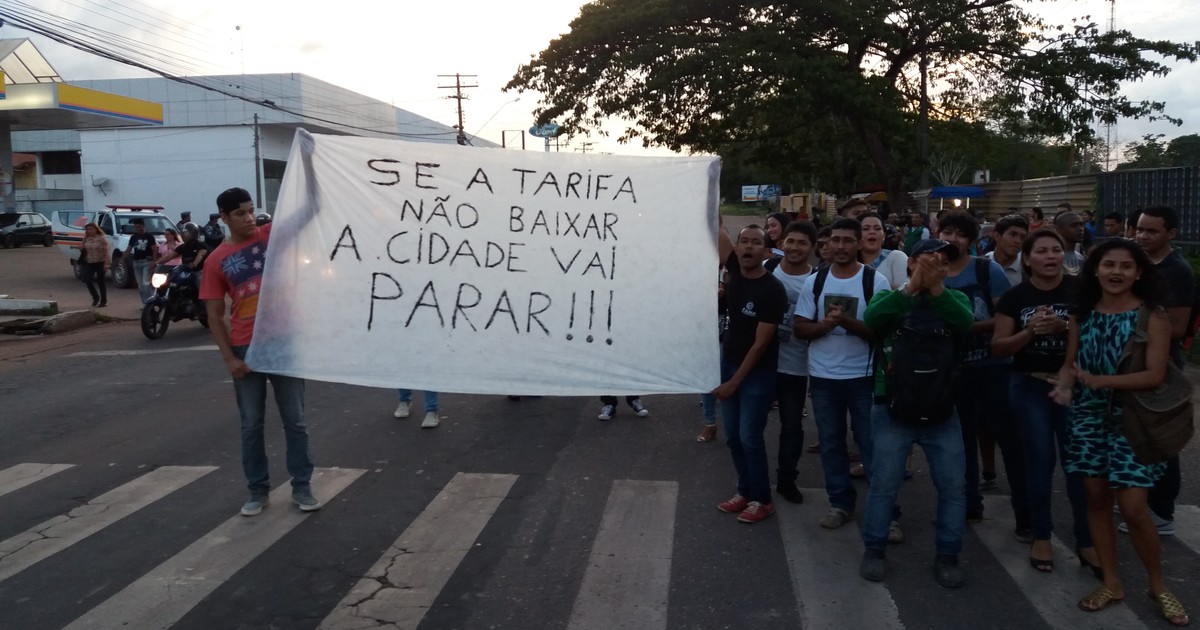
698 74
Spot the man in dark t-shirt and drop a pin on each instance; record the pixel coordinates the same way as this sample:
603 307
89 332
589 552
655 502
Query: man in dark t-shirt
141 253
749 357
1157 227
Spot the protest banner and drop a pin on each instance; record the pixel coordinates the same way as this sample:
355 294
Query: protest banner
491 271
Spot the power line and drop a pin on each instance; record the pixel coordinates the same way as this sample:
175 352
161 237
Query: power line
27 23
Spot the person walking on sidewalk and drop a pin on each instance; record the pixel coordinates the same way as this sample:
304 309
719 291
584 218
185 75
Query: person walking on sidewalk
94 257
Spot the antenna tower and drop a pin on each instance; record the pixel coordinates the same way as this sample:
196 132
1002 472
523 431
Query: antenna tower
1110 129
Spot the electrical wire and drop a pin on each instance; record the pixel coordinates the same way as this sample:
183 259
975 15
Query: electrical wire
78 41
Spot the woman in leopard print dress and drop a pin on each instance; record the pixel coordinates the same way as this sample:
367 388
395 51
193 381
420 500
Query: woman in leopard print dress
1118 279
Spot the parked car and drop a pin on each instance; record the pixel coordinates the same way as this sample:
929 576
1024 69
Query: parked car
19 228
116 221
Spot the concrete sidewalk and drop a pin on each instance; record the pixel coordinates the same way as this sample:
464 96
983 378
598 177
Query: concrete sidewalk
43 273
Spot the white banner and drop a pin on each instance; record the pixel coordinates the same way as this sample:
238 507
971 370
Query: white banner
491 271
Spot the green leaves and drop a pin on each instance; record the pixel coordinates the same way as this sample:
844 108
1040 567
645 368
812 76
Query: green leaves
702 74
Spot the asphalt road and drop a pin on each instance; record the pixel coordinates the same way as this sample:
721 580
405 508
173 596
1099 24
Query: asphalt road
527 514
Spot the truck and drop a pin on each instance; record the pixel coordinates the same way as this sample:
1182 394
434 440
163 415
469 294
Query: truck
116 221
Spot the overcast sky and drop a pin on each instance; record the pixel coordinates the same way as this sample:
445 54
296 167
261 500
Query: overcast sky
395 51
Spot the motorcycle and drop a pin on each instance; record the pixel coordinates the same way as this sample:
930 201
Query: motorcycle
176 297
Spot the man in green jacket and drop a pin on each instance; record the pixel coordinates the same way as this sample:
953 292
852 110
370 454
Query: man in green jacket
922 309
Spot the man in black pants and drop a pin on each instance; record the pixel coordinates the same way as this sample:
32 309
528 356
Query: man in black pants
1157 226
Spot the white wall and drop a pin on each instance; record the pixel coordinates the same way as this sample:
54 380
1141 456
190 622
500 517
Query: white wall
182 168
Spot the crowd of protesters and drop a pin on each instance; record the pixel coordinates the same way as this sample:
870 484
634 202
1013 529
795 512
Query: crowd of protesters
1038 309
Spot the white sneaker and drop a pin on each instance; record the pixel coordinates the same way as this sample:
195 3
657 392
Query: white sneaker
639 408
401 410
430 421
606 412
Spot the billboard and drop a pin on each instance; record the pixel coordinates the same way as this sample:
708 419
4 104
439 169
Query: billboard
760 192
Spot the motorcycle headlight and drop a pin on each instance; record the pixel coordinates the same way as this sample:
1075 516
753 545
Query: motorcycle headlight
158 279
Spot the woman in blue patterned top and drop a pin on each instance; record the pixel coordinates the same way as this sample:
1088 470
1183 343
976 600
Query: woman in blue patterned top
1117 281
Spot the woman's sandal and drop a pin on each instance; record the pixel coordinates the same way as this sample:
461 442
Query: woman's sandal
1100 599
1171 609
1045 566
708 434
1084 563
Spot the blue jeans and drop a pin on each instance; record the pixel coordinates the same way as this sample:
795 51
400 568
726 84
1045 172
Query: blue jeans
141 275
708 407
1042 422
251 391
431 398
745 417
943 446
983 401
790 391
832 400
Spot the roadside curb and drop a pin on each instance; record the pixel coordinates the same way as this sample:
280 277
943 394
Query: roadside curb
13 306
60 323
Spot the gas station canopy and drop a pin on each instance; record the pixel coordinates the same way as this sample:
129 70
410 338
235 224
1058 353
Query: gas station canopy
37 99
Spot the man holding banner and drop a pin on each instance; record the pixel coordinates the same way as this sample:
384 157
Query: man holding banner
750 354
235 269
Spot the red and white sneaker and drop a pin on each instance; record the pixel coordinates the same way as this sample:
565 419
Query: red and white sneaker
734 505
756 512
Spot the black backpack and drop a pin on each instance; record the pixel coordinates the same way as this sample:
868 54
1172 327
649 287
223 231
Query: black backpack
923 371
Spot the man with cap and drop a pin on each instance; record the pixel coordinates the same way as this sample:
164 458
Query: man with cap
213 234
945 314
185 217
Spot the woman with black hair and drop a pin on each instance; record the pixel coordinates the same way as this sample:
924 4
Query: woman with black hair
1031 326
776 224
1118 281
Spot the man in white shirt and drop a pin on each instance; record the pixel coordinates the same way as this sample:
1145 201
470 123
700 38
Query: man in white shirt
791 389
829 314
1010 233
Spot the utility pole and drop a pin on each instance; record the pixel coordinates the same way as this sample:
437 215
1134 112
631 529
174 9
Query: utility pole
257 167
460 97
1110 129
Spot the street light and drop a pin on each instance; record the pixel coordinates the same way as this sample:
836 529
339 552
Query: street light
494 114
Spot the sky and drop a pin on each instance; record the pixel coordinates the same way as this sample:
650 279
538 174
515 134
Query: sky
395 52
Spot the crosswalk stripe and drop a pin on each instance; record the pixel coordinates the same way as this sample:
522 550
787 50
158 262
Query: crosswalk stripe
165 594
834 596
42 541
1054 595
629 570
1187 525
16 477
401 586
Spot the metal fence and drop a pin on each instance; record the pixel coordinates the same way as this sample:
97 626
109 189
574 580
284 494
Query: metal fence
1126 191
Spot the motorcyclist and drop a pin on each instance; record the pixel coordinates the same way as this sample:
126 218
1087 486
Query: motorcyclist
192 252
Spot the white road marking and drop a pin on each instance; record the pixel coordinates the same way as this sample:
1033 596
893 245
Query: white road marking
1187 525
16 477
164 595
401 586
629 570
42 541
1055 595
833 596
135 353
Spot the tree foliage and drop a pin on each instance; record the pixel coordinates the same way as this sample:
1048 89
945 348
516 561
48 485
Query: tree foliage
776 77
1152 152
